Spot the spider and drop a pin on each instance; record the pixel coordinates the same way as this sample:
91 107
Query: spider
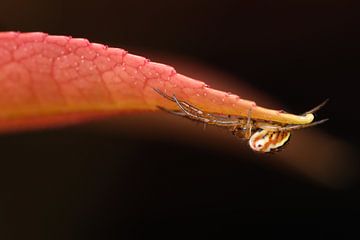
262 135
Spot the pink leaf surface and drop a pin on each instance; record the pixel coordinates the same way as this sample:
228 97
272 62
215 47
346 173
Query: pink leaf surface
54 80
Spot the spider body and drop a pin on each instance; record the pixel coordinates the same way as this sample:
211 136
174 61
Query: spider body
262 135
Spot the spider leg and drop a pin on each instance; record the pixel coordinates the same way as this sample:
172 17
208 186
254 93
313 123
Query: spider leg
206 117
189 109
296 127
178 113
184 111
248 126
274 128
317 108
175 100
244 131
183 108
163 94
192 112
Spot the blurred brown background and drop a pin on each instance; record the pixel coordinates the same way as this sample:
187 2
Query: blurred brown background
149 175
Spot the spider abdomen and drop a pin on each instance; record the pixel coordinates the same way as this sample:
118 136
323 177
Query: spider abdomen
268 141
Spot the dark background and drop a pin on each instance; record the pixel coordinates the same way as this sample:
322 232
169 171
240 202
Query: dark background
76 183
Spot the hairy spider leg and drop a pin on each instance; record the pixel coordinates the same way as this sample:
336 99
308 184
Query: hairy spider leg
175 112
248 126
184 106
179 113
244 129
187 110
273 128
204 116
317 108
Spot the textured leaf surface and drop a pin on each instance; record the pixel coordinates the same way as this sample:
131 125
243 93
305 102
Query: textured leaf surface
50 80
